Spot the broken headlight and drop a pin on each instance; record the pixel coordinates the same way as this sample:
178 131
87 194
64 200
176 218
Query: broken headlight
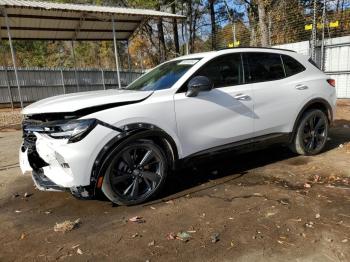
73 130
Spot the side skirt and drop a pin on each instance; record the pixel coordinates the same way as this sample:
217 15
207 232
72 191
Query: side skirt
243 146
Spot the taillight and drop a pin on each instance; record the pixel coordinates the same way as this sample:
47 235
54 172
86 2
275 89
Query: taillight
331 82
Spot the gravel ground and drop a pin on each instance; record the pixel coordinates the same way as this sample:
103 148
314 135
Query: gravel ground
10 118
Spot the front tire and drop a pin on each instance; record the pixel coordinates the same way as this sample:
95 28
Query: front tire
311 134
134 172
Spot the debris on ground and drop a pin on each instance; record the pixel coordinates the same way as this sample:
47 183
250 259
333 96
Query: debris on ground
269 214
171 236
137 219
23 236
215 237
26 194
15 195
135 235
307 185
310 224
67 226
79 251
183 236
284 201
152 243
317 216
317 178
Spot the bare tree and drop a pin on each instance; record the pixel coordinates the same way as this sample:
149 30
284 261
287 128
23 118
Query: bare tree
175 30
264 32
162 46
213 24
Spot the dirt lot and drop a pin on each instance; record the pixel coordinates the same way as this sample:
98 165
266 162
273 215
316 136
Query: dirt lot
269 205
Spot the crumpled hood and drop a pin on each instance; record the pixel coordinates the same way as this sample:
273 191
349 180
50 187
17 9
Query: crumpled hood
77 101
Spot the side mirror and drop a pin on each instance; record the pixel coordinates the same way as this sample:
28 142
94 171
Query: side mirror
198 84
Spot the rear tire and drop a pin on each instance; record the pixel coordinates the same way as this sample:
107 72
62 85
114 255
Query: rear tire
311 133
134 172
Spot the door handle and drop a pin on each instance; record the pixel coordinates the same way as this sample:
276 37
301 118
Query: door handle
242 97
301 87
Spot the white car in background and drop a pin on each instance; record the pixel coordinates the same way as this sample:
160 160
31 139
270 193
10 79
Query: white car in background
125 142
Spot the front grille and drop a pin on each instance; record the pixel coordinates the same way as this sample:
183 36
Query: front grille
29 140
29 127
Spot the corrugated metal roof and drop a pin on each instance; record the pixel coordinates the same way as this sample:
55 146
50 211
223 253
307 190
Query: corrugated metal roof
56 21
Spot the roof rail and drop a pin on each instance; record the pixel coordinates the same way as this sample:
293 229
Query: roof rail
259 47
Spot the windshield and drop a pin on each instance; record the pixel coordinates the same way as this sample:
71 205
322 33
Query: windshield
164 76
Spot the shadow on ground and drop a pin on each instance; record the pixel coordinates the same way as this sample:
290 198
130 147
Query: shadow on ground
236 165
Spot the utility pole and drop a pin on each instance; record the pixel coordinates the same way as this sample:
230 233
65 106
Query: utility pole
323 31
314 31
233 22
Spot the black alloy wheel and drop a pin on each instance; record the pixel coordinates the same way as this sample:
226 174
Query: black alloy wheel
135 173
312 133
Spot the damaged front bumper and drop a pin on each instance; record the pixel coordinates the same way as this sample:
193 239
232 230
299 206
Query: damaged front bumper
57 165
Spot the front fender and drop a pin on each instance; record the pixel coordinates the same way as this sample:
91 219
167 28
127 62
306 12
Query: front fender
136 130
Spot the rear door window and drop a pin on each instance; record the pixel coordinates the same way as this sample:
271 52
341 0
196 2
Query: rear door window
291 66
226 70
263 67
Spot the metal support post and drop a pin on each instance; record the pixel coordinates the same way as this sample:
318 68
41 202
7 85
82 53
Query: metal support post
103 79
62 79
13 58
9 86
6 73
187 37
129 65
323 32
314 32
75 66
116 52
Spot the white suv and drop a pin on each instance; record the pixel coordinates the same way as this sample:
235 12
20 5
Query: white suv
125 142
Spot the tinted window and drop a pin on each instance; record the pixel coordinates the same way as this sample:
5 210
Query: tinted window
264 67
223 71
291 66
313 63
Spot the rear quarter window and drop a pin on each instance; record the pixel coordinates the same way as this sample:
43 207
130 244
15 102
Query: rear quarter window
313 63
291 66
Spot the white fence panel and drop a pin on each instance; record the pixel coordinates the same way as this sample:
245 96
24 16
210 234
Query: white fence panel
337 58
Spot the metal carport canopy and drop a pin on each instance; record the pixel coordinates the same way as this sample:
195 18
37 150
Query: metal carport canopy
55 21
34 20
